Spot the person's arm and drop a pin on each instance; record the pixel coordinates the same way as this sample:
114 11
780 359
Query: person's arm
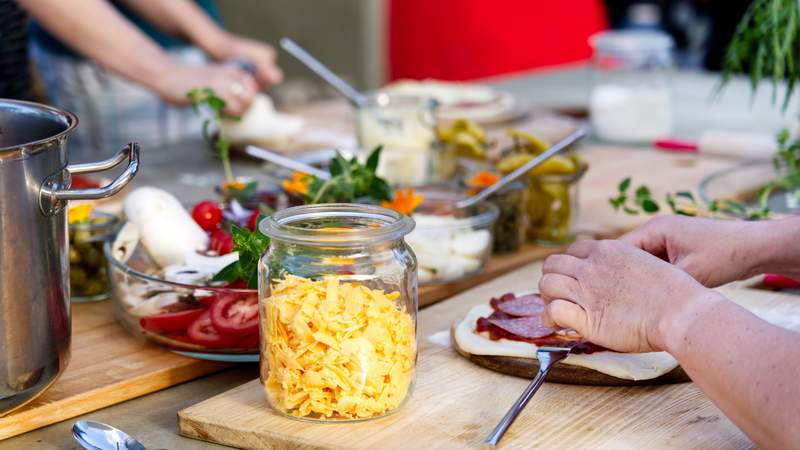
716 252
185 19
625 299
94 29
746 366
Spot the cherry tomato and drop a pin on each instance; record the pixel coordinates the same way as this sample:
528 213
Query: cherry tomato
207 214
252 221
221 242
202 332
170 321
235 314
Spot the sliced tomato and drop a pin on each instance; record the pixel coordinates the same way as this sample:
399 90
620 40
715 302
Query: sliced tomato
235 314
249 341
238 284
206 300
171 321
201 332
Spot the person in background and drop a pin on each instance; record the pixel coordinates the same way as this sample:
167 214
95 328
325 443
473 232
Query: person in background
124 67
650 291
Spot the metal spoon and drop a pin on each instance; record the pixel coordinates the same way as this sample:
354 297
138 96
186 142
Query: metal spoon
522 170
283 161
548 357
356 98
99 436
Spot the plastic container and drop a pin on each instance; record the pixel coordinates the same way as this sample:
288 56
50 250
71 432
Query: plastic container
630 98
338 289
188 319
451 244
552 207
88 278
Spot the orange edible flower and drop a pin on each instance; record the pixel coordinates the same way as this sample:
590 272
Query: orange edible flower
404 202
483 179
298 185
235 185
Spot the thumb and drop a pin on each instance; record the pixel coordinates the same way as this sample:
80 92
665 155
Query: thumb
569 315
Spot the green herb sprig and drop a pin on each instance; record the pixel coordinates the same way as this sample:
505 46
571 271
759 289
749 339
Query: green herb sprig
682 203
350 182
251 246
787 168
206 102
765 46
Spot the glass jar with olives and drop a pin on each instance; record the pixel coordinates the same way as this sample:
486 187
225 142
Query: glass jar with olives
87 264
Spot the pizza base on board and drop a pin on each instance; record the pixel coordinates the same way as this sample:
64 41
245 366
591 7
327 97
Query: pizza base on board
599 368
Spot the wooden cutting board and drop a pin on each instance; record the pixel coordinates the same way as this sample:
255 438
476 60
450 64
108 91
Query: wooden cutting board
457 403
107 366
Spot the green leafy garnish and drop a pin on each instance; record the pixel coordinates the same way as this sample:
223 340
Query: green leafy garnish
682 203
350 182
205 101
251 246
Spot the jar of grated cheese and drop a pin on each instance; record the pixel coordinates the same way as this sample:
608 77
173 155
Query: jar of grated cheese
338 299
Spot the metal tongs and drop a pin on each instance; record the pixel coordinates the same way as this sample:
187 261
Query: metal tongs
548 357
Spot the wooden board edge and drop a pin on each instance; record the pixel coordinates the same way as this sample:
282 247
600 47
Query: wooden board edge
560 373
34 418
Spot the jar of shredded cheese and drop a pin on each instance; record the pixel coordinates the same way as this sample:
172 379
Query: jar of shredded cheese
338 298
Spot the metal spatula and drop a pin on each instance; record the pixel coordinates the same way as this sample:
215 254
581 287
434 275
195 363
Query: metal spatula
548 357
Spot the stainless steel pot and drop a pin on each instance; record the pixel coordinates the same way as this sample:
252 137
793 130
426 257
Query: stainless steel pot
34 254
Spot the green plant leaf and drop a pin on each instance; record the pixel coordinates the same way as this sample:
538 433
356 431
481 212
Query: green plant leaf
649 206
624 184
374 158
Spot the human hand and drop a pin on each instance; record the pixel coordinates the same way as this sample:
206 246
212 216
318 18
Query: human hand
714 252
235 86
618 296
261 55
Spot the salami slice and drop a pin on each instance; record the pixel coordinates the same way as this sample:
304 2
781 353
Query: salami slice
530 327
527 305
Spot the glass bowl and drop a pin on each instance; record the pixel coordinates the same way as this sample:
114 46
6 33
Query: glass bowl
742 184
88 278
214 323
451 244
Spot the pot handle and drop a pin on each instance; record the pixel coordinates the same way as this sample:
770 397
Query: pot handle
52 195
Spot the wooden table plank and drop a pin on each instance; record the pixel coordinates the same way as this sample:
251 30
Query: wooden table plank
107 366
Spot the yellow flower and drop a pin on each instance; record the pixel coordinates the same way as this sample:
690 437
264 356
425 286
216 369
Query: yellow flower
404 202
298 185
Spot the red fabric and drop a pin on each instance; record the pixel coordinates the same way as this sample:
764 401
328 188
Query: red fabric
467 39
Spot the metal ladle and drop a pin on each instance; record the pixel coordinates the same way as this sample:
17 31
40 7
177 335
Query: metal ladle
522 170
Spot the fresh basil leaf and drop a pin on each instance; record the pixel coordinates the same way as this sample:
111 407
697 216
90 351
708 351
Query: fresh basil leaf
229 273
374 158
642 193
686 194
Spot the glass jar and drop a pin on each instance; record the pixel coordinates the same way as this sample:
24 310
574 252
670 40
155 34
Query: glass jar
509 229
338 298
630 97
405 127
88 277
552 207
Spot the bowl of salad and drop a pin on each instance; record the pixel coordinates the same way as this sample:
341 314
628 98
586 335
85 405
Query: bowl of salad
187 280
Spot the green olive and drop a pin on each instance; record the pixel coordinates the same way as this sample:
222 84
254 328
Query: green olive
77 276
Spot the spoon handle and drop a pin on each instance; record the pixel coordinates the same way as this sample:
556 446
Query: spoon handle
283 161
547 359
355 97
522 170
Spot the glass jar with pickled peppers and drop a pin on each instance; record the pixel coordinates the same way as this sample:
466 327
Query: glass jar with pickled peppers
88 232
338 299
509 228
552 198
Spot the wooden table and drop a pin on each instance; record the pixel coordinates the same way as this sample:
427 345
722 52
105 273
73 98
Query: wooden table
152 418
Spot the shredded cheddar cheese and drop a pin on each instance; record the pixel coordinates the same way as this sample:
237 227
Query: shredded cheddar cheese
337 349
